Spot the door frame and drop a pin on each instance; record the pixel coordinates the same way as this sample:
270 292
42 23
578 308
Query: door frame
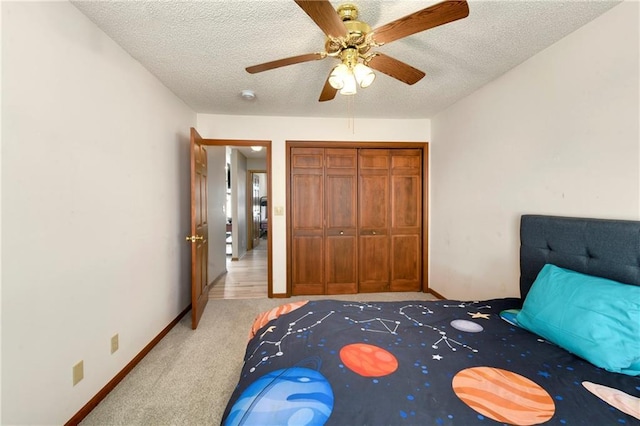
267 145
424 146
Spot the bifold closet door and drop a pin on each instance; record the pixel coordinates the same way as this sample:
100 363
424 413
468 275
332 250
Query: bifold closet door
307 221
374 225
324 220
406 220
356 220
390 216
341 220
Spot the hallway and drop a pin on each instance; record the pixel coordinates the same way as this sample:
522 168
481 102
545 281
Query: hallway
246 278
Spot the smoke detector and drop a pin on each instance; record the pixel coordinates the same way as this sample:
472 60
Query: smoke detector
248 95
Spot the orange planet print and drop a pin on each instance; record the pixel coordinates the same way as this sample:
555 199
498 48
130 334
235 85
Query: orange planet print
503 396
263 318
368 360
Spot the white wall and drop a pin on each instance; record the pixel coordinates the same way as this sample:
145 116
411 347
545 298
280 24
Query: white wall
256 164
556 135
280 129
216 208
95 195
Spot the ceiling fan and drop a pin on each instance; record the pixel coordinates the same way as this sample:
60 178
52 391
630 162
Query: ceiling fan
352 41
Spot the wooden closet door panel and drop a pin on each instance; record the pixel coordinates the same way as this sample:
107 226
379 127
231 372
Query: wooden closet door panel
406 220
341 212
307 265
342 264
373 220
406 266
373 267
305 159
373 191
341 187
406 189
307 210
371 160
307 221
406 203
374 202
341 160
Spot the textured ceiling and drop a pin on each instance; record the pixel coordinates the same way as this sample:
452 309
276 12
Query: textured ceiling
200 49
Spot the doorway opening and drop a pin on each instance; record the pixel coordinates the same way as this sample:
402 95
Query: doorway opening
240 265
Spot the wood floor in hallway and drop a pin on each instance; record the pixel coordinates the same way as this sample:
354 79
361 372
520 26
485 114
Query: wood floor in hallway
246 278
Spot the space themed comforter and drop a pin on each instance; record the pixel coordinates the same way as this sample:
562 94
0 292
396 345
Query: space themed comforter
418 363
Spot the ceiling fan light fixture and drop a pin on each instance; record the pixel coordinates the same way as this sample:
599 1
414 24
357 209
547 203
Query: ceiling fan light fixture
364 75
338 76
350 85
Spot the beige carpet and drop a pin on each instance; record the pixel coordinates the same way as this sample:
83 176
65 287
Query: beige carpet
189 376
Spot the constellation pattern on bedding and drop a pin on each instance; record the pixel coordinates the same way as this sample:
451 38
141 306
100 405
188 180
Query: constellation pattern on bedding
385 325
467 305
416 363
373 325
271 348
443 334
277 345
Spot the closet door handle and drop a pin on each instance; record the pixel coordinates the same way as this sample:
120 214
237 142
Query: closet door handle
373 233
341 232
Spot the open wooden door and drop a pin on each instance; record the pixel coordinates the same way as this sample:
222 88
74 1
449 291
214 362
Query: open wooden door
199 229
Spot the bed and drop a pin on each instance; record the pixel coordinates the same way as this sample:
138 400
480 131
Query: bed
451 362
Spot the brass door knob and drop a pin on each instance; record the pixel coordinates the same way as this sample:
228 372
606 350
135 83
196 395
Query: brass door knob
194 238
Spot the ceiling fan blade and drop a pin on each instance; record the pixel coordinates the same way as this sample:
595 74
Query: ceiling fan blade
325 16
430 17
328 92
284 62
395 68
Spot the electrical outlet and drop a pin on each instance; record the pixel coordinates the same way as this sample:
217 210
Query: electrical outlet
114 343
78 372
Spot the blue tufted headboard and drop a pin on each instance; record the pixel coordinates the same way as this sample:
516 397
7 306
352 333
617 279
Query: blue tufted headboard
600 247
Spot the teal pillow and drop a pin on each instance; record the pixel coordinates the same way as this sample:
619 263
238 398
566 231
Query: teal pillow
595 318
